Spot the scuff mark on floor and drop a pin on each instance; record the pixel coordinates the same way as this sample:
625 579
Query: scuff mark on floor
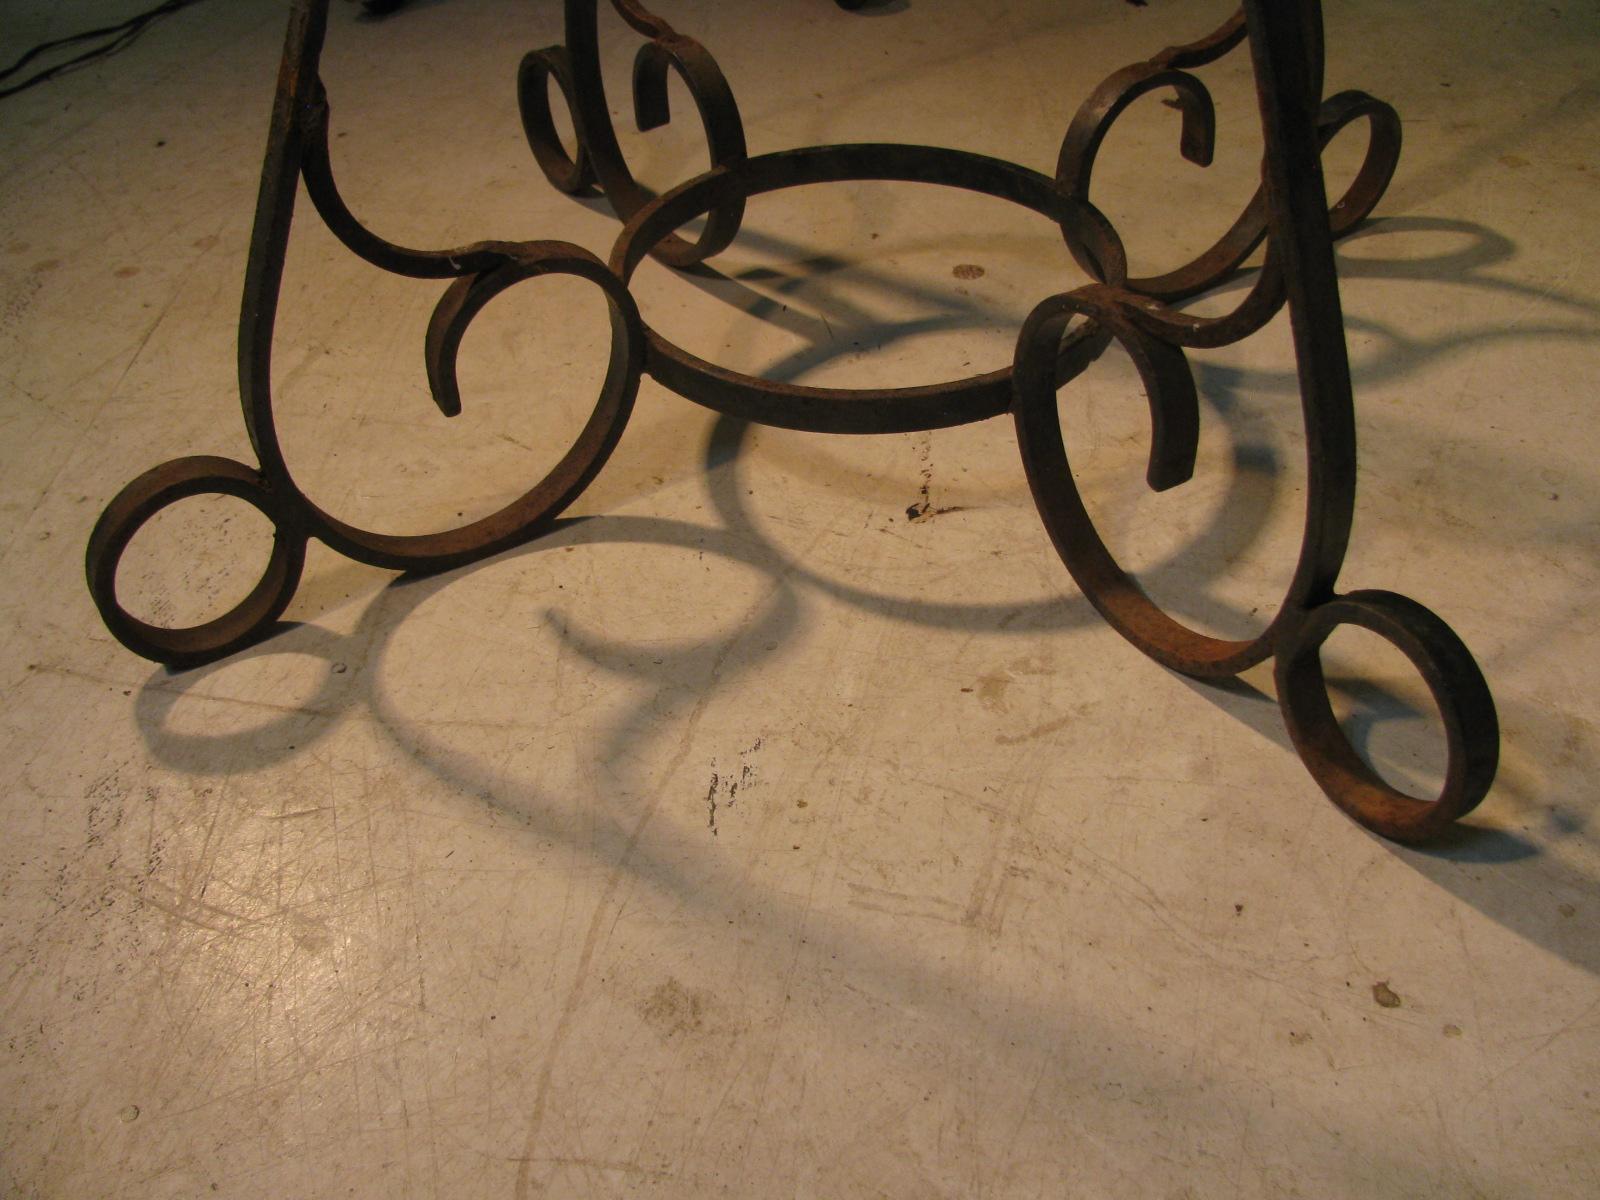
923 509
724 790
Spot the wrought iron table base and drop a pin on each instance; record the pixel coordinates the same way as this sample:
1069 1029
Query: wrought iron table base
1289 212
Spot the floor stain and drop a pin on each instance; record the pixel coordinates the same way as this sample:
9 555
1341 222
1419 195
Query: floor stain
992 691
1386 996
673 1009
1038 732
1031 664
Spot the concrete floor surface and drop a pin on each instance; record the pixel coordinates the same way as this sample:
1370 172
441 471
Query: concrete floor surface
789 826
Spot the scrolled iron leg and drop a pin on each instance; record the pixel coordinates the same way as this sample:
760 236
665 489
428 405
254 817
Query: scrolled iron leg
297 149
1291 214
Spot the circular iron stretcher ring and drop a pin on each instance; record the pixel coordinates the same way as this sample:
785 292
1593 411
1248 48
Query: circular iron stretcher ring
862 410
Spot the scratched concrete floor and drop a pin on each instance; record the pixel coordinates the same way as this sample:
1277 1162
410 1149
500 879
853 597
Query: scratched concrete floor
790 826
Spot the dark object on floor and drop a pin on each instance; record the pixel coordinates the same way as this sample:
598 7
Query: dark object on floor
118 37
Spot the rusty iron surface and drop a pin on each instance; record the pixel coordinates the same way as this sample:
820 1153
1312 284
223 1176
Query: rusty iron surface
1289 212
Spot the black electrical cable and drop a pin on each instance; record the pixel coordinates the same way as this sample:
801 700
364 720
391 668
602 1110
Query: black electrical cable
119 36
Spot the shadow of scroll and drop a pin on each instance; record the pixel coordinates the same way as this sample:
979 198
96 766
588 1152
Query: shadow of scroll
686 677
1054 1044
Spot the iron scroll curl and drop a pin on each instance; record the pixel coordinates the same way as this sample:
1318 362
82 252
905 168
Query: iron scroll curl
599 160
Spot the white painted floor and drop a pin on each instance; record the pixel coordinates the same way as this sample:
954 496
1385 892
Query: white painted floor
748 838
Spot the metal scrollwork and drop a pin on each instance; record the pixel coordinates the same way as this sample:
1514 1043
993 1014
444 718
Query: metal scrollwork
576 69
1289 213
